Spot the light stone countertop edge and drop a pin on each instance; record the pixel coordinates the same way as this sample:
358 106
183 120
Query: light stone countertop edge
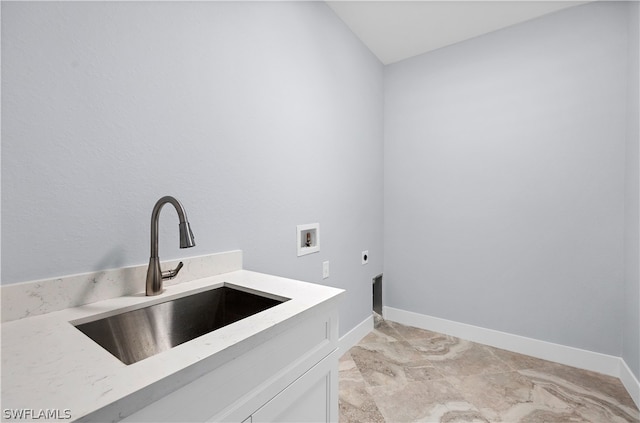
49 364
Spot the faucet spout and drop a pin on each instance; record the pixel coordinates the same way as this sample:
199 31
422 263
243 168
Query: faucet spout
155 275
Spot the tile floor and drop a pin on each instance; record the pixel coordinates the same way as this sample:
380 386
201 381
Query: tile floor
403 374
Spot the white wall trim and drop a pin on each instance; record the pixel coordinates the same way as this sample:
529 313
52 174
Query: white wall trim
584 359
630 382
354 336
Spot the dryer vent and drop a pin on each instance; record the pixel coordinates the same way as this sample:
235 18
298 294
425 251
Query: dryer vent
377 294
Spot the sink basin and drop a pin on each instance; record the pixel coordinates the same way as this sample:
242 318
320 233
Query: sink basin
135 335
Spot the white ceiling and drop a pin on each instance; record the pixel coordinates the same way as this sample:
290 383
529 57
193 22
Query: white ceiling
395 30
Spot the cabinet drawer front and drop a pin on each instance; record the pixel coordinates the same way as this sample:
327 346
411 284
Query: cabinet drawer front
230 385
311 398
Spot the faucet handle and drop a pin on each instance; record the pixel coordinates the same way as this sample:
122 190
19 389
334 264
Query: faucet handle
170 274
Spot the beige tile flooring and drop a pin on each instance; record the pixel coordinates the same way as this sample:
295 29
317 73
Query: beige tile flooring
403 374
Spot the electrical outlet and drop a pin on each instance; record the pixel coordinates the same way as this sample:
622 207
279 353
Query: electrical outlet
325 269
365 257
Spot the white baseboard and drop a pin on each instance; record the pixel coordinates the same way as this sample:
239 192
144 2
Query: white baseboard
575 357
354 336
630 382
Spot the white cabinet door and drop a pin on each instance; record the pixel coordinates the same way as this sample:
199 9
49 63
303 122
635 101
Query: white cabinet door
311 398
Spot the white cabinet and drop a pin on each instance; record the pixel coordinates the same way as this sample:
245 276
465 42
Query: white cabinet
290 377
311 398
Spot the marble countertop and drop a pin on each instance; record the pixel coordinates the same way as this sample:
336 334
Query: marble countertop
48 364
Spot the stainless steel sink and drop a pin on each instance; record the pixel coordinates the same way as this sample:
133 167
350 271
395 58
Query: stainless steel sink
135 335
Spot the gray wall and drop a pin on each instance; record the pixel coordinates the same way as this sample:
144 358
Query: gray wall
256 116
504 179
504 161
631 334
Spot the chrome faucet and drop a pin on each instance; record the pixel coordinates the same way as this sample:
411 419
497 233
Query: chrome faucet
155 275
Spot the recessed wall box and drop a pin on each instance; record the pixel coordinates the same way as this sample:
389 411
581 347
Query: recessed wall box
308 238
